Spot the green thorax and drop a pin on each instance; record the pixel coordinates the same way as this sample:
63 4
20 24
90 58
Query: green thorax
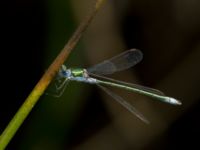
77 72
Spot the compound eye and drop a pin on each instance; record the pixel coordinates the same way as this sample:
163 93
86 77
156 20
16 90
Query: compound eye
67 73
64 73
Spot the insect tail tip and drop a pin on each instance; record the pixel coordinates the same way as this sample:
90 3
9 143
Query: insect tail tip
175 101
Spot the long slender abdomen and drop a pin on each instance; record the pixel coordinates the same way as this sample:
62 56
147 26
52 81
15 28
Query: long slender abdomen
142 92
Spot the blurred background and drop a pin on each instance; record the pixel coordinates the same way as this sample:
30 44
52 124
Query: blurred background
167 32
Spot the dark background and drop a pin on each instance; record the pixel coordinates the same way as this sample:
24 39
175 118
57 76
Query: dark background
167 32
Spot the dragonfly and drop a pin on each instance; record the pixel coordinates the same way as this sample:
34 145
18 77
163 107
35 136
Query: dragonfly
96 75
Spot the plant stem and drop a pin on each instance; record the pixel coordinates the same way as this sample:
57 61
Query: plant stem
43 83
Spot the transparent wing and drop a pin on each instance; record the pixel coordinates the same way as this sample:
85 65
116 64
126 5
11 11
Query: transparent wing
120 62
140 87
124 103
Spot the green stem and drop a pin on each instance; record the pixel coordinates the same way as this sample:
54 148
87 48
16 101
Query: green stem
43 83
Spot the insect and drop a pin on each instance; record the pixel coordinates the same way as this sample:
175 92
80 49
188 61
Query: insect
95 75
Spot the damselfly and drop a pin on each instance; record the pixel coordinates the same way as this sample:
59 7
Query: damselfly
94 75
